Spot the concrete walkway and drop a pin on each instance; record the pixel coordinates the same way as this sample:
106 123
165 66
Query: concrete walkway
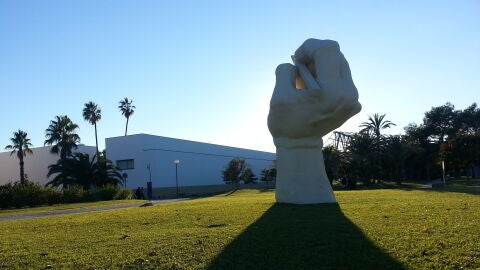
434 184
85 210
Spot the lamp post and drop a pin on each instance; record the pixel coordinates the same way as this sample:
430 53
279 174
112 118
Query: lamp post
443 173
149 183
149 172
176 161
125 175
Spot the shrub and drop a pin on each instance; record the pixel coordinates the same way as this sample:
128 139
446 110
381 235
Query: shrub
123 194
5 195
31 194
104 193
28 194
51 196
74 194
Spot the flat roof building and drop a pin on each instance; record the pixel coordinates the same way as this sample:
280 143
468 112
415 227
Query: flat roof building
146 157
143 157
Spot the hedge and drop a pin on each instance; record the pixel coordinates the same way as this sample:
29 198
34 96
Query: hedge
16 195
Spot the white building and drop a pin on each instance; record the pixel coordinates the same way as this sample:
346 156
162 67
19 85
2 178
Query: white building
144 157
36 164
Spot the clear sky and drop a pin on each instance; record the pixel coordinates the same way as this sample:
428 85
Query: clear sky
204 70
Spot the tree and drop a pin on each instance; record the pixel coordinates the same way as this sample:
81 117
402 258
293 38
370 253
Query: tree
439 122
79 170
395 153
248 176
21 146
234 171
61 133
127 110
462 152
359 160
431 138
468 120
93 114
375 124
105 173
331 157
268 175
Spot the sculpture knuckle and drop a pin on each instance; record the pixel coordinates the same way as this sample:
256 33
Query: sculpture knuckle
283 68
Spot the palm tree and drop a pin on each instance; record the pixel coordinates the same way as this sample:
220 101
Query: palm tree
375 124
79 170
358 161
61 134
93 114
20 145
127 110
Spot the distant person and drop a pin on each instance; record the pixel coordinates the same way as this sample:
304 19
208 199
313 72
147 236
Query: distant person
142 194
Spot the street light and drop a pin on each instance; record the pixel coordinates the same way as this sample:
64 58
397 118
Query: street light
125 175
176 161
149 172
149 183
443 173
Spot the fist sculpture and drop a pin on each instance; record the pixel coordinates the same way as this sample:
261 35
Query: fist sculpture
310 99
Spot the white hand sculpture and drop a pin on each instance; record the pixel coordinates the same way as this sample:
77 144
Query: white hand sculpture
309 100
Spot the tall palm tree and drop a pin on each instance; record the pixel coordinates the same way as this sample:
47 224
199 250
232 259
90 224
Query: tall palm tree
93 114
61 133
375 124
127 110
20 145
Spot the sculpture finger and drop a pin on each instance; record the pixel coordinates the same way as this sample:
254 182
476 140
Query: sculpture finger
345 72
346 76
285 78
305 52
321 57
327 61
306 76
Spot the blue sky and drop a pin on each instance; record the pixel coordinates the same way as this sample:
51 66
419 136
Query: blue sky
204 70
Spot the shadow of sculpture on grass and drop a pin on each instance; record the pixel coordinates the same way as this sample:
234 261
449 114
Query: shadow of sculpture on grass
303 237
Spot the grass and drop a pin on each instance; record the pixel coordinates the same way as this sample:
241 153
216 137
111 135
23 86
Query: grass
67 206
404 228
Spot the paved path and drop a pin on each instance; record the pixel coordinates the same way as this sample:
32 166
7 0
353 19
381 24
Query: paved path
436 183
84 210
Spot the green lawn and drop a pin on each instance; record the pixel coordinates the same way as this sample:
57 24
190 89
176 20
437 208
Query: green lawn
368 229
67 206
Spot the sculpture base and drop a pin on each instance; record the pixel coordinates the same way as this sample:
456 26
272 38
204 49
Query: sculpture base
301 176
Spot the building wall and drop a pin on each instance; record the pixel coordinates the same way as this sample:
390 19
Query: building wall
36 165
200 163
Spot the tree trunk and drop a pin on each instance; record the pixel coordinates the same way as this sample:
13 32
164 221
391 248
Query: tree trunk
98 154
126 127
22 171
96 142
